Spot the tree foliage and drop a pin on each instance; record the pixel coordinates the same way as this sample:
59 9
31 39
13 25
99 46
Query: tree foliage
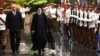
20 1
34 2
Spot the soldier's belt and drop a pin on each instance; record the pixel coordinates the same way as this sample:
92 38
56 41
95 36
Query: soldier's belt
1 24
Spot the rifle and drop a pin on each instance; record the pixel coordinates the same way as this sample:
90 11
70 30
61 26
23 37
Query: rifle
71 18
76 23
76 18
79 20
88 22
2 21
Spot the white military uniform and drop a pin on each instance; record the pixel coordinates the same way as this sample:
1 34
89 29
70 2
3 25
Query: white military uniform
22 11
2 24
97 17
67 15
98 21
60 14
92 20
98 34
53 12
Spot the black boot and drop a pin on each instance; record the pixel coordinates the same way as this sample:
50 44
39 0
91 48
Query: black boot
3 47
42 49
39 52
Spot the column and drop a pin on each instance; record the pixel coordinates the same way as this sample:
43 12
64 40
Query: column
78 1
98 1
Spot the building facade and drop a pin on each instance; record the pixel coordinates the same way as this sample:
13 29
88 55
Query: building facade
4 4
86 1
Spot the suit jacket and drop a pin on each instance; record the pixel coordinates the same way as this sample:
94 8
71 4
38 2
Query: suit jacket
14 22
36 25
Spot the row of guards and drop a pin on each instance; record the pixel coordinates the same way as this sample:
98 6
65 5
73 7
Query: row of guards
84 24
81 22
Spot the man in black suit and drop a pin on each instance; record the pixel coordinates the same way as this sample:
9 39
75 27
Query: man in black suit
14 26
40 32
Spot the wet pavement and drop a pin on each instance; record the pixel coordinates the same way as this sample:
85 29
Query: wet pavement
64 47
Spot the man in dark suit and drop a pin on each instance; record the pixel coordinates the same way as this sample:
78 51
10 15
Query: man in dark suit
39 31
14 26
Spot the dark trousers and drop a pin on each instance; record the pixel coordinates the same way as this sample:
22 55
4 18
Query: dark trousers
54 24
15 40
93 37
0 38
23 21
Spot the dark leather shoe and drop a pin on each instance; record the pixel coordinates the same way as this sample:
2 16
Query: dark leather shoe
39 51
34 49
17 52
2 48
13 53
42 50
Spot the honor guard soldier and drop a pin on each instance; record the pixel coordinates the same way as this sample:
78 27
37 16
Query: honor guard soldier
75 13
83 23
91 26
71 22
67 19
86 39
2 31
53 12
98 29
78 24
59 15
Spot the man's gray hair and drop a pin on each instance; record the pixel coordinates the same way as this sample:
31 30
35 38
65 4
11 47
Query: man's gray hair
13 5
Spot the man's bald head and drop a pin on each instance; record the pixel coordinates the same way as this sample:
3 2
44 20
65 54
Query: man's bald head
13 7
